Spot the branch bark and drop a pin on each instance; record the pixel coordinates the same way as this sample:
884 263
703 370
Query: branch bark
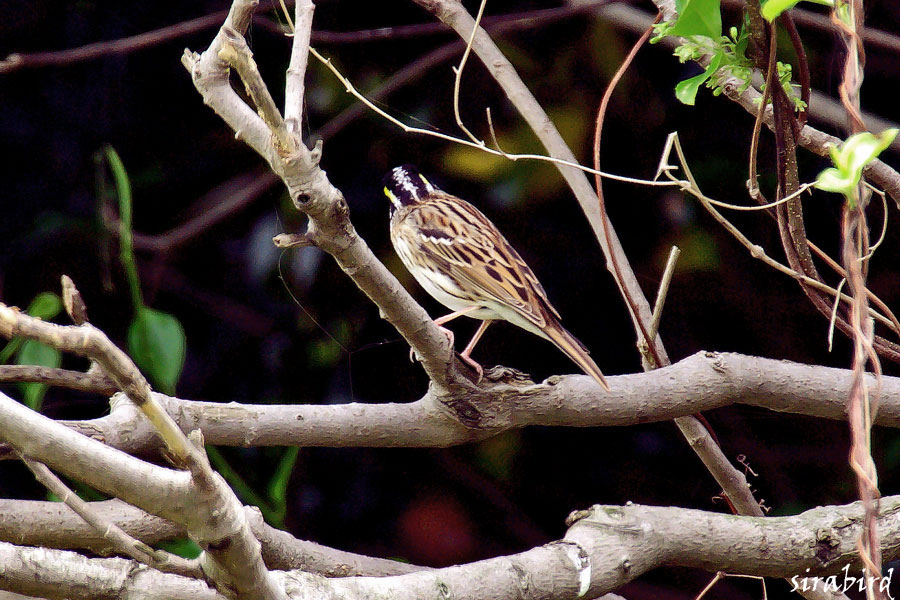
701 382
53 525
604 548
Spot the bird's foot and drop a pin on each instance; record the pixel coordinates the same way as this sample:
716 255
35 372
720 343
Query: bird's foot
478 369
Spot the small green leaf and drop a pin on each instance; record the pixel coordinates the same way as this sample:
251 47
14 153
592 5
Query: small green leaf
833 180
36 353
45 305
278 484
772 9
183 547
850 159
698 17
156 341
126 206
686 91
277 488
9 349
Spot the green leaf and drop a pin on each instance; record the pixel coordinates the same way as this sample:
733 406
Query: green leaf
45 305
772 9
850 159
126 240
278 484
36 353
698 17
277 488
156 341
183 547
686 91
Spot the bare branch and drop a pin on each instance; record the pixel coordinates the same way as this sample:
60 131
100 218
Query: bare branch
704 381
121 541
53 525
231 558
92 381
604 548
294 87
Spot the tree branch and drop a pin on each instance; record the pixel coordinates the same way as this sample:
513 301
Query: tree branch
121 541
91 381
701 382
604 548
52 525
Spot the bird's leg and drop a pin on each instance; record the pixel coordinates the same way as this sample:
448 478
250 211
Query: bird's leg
440 322
447 318
466 354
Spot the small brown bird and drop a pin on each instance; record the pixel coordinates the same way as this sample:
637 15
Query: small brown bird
466 264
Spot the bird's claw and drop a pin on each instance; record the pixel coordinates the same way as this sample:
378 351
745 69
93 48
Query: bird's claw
478 369
447 332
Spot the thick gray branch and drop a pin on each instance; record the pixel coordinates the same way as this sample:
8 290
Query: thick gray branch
605 547
702 382
53 525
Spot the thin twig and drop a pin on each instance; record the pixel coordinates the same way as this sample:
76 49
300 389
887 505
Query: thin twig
756 251
236 52
351 89
294 93
663 290
458 71
93 382
121 541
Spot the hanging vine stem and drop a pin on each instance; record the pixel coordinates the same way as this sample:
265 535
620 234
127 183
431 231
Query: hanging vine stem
862 402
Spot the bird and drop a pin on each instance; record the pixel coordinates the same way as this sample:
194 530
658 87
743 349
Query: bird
463 261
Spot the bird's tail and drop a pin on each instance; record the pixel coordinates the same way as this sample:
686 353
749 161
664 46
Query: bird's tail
575 350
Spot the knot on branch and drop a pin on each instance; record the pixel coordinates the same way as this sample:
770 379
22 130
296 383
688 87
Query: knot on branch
618 518
508 376
827 546
464 410
293 240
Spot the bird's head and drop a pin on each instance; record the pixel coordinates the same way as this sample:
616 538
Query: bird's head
405 186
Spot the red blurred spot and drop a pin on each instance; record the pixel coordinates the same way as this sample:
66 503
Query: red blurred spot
436 531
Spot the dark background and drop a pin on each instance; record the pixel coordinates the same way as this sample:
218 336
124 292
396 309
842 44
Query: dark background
312 337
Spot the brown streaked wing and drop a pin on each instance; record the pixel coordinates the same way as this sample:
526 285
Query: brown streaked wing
466 245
